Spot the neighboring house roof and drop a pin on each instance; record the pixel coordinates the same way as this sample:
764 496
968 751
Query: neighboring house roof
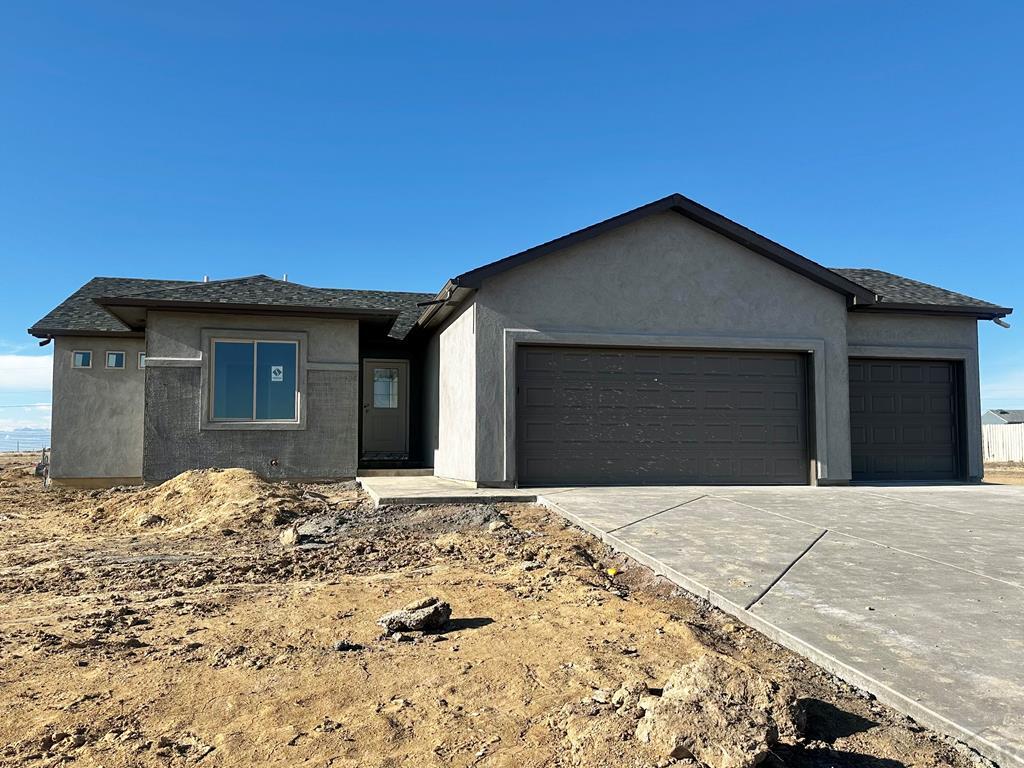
104 307
1009 416
895 292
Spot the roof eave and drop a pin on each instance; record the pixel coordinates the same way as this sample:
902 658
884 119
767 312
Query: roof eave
448 298
112 303
979 312
49 333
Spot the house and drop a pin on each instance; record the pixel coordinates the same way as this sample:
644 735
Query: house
1002 416
665 345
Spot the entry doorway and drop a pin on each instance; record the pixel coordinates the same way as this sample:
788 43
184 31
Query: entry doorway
385 409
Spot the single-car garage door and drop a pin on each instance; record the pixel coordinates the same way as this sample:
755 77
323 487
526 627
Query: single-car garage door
622 416
903 420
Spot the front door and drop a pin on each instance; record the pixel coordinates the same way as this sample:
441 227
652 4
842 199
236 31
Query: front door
385 409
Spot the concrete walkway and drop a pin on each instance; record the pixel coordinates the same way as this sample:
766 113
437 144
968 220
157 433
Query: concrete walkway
915 594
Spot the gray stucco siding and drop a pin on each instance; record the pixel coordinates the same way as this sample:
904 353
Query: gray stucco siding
668 278
896 334
179 334
177 437
96 427
454 425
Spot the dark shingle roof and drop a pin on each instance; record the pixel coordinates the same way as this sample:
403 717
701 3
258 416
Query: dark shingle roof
895 289
1011 416
86 309
79 313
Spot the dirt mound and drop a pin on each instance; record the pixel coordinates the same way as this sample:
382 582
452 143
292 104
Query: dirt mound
19 470
721 713
210 498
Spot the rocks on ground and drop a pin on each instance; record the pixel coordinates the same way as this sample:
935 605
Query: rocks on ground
720 713
424 615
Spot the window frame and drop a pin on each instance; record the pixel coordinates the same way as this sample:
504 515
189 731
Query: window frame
106 360
81 352
253 336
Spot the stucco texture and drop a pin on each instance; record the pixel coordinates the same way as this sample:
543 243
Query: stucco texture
663 276
325 445
454 428
96 428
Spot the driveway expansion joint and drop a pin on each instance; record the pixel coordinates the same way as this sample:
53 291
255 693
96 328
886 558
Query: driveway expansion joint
786 570
655 514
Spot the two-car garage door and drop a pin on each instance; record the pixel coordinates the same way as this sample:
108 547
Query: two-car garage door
628 416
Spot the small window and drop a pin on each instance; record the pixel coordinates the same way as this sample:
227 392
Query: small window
142 360
81 359
115 359
255 381
385 387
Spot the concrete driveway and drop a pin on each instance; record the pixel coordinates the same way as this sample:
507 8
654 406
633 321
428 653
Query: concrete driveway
913 593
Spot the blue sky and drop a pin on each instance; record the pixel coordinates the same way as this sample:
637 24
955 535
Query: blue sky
393 145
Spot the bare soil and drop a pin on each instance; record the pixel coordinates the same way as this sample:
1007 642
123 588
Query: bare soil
171 626
1009 473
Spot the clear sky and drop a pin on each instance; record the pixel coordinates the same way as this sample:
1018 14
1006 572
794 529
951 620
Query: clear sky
392 145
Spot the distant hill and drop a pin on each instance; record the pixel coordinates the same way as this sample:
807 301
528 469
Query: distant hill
25 439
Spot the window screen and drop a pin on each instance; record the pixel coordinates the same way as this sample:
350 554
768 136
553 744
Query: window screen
81 359
115 359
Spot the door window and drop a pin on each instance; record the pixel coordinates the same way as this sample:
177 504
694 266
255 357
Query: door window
385 387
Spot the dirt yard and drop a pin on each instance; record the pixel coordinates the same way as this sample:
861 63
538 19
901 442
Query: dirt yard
1005 474
173 627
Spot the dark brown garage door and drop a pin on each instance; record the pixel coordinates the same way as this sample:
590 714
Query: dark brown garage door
622 416
903 420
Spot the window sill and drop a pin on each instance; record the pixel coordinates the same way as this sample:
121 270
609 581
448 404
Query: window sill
249 426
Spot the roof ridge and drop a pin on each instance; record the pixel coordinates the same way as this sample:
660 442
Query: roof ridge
200 283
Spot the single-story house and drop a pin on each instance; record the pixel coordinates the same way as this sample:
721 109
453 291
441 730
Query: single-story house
1003 416
665 345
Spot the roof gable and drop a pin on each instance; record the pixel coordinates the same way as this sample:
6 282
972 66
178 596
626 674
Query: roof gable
855 293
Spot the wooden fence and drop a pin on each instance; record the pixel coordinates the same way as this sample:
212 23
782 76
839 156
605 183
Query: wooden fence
1003 442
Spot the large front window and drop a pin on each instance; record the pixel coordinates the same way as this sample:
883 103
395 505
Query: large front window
255 380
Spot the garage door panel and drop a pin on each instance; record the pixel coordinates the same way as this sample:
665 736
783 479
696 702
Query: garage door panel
753 433
665 416
787 401
903 420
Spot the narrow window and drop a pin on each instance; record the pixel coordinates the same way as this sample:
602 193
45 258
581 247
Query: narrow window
81 359
255 380
385 387
142 360
115 359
